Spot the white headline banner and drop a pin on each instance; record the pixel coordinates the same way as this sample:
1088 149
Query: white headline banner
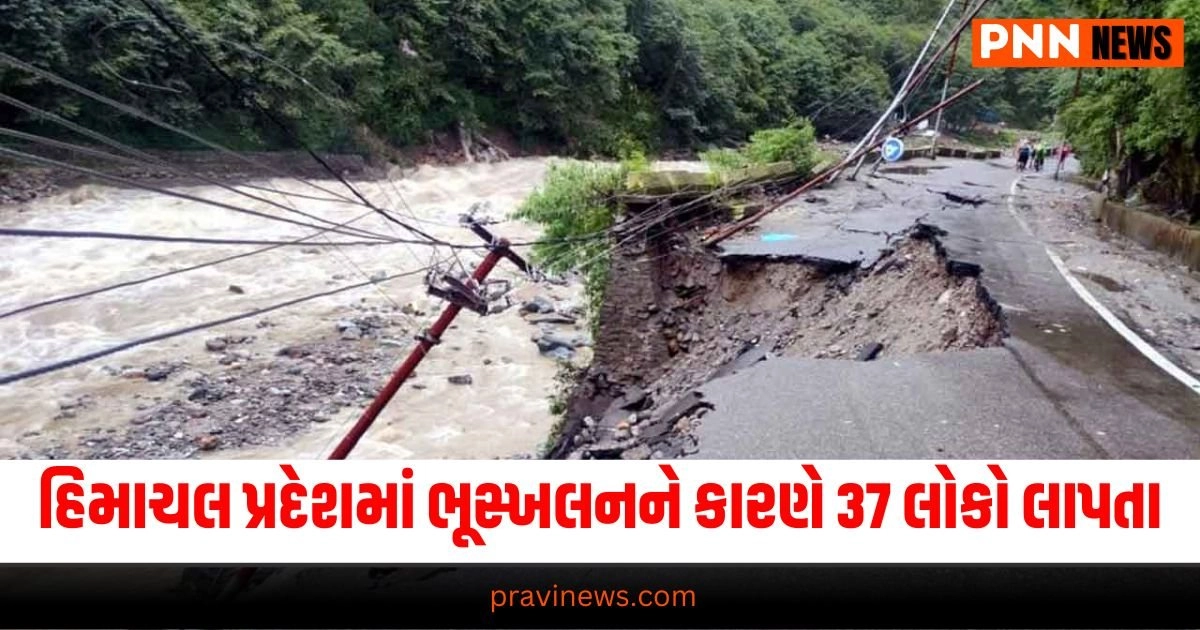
509 511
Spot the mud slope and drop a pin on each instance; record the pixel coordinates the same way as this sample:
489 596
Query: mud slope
676 316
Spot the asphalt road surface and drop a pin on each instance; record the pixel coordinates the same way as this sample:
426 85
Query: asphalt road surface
1065 384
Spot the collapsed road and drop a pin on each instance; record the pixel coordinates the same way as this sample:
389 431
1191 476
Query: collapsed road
910 315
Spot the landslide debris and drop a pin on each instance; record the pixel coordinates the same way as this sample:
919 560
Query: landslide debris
677 316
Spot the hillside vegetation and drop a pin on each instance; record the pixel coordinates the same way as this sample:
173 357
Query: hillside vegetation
582 76
1143 124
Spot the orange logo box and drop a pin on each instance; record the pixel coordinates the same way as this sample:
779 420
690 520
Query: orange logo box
1028 43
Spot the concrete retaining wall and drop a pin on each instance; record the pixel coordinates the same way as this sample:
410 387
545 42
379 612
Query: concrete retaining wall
927 152
671 182
1158 233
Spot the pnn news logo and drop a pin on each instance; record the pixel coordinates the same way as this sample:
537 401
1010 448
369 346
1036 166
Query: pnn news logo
1059 43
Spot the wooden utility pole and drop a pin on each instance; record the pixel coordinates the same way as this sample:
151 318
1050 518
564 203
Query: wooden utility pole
914 81
937 126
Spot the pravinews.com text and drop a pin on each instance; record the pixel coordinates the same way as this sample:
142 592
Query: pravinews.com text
556 597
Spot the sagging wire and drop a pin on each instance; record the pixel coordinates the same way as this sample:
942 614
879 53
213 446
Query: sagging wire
147 160
129 283
120 77
108 141
162 238
179 32
91 356
161 17
307 83
136 113
93 152
37 159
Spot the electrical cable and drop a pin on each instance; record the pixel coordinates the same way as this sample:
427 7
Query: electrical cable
158 14
37 159
136 113
148 160
129 283
49 76
106 140
91 356
158 238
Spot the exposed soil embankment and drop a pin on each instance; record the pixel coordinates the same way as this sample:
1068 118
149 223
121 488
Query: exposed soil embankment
677 316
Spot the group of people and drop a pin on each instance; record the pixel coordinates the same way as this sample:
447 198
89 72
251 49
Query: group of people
1035 151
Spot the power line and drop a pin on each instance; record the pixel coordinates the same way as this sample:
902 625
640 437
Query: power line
270 116
290 207
49 76
91 356
126 236
106 140
136 113
148 160
130 283
37 159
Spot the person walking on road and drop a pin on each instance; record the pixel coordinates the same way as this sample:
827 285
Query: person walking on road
1064 152
1039 156
1023 152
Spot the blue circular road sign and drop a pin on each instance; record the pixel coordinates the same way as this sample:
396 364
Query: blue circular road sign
893 148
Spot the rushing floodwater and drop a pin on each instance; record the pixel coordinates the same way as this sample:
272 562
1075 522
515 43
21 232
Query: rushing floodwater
504 412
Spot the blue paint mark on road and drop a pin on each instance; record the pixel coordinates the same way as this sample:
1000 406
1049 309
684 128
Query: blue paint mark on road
775 238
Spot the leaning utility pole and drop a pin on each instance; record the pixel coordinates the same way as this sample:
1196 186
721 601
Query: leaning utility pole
901 93
459 295
828 174
937 126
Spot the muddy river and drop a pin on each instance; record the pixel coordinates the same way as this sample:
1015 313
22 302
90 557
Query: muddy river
502 412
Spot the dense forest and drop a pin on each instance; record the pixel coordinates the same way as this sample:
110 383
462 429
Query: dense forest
579 75
583 77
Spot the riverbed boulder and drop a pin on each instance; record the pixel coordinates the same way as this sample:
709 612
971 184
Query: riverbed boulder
538 304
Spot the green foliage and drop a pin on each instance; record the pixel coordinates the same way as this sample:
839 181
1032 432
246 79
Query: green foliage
1143 125
584 76
722 161
575 207
633 159
795 143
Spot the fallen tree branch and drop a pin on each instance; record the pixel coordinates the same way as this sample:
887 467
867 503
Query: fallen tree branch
481 139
